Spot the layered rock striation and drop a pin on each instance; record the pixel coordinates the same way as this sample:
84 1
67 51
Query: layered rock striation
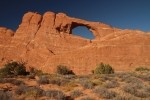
47 41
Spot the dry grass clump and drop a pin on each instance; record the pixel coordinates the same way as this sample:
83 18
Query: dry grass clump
129 88
55 94
43 80
59 81
6 95
87 84
12 81
104 93
29 91
120 97
111 84
87 98
76 93
142 69
136 91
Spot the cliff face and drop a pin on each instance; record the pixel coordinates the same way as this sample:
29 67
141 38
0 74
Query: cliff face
47 41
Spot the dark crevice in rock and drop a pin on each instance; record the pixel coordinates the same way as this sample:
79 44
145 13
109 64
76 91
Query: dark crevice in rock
54 20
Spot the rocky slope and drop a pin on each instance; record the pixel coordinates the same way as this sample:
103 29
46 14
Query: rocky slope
47 41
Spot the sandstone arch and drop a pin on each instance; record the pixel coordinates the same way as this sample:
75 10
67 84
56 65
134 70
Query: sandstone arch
83 31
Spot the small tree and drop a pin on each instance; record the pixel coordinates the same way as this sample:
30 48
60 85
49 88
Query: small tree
103 69
63 70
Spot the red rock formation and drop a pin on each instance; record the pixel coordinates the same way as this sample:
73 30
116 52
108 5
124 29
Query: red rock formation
5 39
47 41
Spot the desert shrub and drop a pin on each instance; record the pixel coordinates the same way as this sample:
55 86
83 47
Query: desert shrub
55 94
111 84
2 80
147 89
76 93
132 80
145 77
103 69
133 89
63 70
129 89
12 81
123 76
141 94
87 84
104 78
104 93
21 89
5 95
31 76
43 80
71 77
13 68
36 72
142 69
29 91
87 98
118 97
34 92
59 81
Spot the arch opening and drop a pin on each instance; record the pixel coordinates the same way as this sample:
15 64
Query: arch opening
83 32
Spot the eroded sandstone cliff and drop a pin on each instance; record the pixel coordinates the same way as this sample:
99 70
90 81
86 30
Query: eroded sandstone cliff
47 41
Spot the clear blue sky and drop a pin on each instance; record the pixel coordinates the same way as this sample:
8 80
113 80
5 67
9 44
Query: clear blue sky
130 14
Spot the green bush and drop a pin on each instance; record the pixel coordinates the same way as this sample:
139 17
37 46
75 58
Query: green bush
103 69
63 70
142 69
13 68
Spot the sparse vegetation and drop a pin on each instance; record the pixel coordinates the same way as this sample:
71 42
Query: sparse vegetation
129 89
76 93
29 91
87 84
142 69
104 93
63 70
87 98
59 81
13 68
12 81
111 84
66 86
34 92
36 72
55 94
5 95
118 97
103 69
43 80
21 89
